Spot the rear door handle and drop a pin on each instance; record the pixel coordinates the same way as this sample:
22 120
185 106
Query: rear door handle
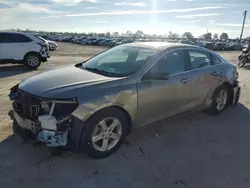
185 80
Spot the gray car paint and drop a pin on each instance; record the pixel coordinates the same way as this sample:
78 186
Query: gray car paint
144 101
61 83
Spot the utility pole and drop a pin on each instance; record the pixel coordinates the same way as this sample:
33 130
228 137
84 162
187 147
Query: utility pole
244 20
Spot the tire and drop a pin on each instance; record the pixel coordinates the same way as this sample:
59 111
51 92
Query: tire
214 109
96 123
240 57
242 62
32 60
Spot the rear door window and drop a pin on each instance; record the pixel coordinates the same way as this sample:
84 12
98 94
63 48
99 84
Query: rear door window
199 59
216 60
17 38
3 37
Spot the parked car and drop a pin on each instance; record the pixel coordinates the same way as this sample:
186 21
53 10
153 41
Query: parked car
105 42
79 39
66 39
83 41
23 48
110 43
209 45
96 41
219 46
52 44
124 88
90 40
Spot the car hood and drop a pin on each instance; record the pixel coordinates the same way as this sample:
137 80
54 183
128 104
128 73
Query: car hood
56 83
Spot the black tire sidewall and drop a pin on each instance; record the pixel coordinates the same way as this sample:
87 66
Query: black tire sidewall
26 60
86 136
242 62
213 109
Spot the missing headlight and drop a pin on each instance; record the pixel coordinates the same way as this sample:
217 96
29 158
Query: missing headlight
62 110
59 108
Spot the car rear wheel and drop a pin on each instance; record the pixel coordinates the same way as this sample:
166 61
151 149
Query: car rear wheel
220 100
32 60
104 133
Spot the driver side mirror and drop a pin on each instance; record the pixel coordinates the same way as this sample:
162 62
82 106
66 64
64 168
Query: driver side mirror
156 76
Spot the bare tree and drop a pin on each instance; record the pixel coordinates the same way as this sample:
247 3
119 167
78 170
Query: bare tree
170 34
108 34
139 33
215 36
224 36
115 34
187 35
129 33
176 36
207 36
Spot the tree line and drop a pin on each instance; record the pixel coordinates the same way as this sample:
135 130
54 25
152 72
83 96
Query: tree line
138 34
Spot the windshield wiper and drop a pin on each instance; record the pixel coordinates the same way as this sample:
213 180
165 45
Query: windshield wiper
99 71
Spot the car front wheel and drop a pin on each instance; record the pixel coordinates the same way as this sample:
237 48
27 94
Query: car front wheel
104 133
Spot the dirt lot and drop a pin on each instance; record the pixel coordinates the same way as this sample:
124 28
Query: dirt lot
198 150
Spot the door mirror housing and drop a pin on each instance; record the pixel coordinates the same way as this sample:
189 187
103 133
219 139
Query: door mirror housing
156 76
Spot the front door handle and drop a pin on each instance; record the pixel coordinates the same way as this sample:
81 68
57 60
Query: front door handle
185 80
216 73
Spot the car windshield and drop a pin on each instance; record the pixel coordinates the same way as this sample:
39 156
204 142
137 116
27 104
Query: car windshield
119 61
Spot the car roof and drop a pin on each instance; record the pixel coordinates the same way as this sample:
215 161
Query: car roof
157 45
22 33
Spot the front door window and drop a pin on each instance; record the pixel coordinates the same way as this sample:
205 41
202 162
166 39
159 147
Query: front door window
172 63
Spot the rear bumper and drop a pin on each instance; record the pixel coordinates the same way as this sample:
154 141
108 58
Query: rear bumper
44 59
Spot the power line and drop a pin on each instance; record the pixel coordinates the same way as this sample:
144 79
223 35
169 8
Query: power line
243 25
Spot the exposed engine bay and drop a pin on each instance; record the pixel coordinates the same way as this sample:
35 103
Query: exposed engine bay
49 121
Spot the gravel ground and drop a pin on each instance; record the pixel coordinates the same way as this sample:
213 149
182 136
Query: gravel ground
198 150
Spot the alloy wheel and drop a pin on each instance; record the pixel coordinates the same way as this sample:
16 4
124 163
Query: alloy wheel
33 61
106 134
221 100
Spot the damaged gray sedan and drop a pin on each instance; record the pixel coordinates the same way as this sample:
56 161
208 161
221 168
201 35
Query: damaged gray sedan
94 105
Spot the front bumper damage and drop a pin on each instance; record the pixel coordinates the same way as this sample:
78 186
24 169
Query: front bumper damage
35 130
47 122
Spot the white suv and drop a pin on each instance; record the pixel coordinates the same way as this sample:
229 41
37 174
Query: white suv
22 48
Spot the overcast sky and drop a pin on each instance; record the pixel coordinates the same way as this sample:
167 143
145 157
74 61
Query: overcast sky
150 16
